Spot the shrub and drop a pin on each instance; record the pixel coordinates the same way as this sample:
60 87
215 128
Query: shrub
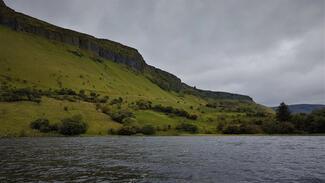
54 127
103 99
316 121
148 130
171 110
143 105
41 123
275 127
112 131
22 94
187 127
286 128
65 91
221 126
82 93
73 126
192 117
129 120
121 115
300 121
116 101
128 130
237 128
231 129
93 94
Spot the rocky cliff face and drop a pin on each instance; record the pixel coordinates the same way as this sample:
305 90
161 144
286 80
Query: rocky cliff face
103 48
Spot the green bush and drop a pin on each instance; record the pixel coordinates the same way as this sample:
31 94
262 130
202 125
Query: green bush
286 128
143 104
311 123
275 127
128 130
73 126
175 111
65 91
22 94
129 120
231 129
112 131
148 130
192 116
116 101
103 99
239 128
119 116
191 128
317 121
43 125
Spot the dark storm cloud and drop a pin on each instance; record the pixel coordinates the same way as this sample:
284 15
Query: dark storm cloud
270 50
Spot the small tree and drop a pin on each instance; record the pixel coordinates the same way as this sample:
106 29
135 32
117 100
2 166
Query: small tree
283 112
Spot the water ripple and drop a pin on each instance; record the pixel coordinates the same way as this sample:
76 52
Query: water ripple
163 159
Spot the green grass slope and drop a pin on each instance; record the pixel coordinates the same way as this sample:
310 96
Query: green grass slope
27 60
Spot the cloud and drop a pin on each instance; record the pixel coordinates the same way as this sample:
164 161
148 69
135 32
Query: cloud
270 50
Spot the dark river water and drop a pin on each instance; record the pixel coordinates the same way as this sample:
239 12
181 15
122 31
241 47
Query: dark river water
164 159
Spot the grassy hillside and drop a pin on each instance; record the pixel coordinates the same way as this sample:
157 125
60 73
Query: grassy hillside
30 61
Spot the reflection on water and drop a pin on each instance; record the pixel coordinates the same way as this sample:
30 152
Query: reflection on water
163 159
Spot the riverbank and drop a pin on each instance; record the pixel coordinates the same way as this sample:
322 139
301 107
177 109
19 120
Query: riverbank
45 135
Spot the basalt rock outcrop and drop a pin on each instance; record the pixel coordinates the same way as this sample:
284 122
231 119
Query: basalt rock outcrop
106 49
99 47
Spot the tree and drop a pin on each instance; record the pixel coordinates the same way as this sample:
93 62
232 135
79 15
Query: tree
283 113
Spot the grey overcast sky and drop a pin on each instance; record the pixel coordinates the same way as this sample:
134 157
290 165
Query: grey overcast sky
271 50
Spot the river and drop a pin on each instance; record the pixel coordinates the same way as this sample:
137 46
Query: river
196 159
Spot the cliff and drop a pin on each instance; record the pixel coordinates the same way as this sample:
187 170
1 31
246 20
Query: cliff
99 47
105 49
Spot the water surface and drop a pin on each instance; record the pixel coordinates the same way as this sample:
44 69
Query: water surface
164 159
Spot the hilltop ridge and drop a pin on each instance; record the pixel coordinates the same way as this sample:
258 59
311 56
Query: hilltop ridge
49 75
107 49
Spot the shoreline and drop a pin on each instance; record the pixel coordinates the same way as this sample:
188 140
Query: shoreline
178 135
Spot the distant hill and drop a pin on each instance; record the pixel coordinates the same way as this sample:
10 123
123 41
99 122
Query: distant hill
303 108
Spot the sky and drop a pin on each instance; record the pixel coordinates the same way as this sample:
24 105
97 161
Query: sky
273 51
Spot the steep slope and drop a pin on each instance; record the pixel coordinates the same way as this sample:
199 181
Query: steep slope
41 77
101 48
